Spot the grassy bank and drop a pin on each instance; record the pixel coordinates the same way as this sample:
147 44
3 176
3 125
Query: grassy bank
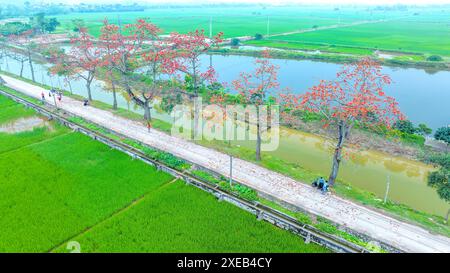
310 47
340 58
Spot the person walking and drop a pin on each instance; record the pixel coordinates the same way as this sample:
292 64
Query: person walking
149 126
43 97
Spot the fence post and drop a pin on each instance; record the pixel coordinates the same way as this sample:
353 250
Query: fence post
231 170
387 188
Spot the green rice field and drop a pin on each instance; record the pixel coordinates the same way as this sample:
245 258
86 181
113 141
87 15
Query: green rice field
231 21
413 30
398 35
58 186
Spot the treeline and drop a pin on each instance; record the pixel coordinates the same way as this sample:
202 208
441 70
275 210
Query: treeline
37 24
27 9
107 8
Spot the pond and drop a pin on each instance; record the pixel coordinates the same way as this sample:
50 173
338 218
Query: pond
422 96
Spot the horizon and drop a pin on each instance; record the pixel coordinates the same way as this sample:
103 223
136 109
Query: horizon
254 2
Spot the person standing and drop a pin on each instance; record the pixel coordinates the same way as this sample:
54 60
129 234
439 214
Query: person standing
325 186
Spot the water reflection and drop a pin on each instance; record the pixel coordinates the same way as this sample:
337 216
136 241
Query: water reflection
23 125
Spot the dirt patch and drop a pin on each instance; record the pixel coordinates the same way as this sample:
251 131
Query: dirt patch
23 124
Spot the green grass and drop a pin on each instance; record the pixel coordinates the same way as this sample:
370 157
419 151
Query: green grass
180 218
13 111
230 20
54 187
398 35
10 111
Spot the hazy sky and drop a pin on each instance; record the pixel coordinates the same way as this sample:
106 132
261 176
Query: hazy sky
371 2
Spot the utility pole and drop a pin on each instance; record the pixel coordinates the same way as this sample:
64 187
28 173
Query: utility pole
50 78
268 26
231 170
42 76
388 184
210 37
119 23
53 92
210 27
7 63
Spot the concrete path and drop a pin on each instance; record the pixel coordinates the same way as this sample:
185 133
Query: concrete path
405 236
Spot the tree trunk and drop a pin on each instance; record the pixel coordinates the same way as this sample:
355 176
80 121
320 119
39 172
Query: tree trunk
446 217
21 70
196 106
59 83
342 130
70 86
30 61
114 95
147 111
88 88
196 118
7 63
258 137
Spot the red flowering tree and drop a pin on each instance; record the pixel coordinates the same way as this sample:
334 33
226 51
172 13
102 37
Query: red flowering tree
254 89
189 48
157 60
356 97
109 42
24 42
20 58
53 54
125 53
82 60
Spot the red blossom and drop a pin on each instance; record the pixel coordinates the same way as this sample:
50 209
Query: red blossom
357 95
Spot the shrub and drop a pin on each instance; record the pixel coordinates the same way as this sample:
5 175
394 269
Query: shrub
434 58
441 159
404 126
303 218
439 178
443 134
326 226
413 139
258 36
206 176
241 190
423 129
163 157
235 42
